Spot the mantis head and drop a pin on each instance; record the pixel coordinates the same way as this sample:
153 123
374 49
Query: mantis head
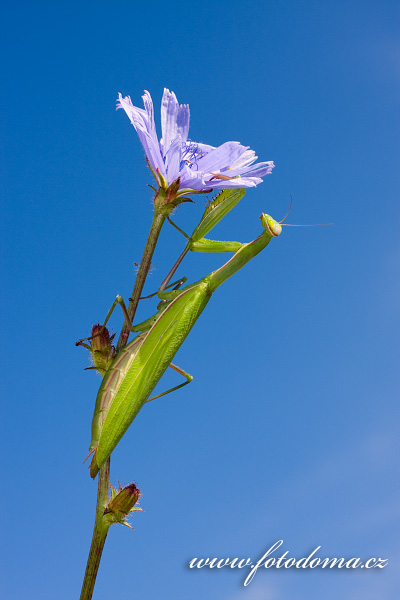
270 225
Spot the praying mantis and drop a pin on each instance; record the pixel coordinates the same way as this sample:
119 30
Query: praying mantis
136 370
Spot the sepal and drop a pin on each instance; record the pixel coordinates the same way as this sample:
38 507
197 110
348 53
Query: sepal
167 198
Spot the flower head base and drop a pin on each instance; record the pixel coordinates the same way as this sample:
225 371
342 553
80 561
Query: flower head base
197 167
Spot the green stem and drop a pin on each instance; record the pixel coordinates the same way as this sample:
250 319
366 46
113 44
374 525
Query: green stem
101 526
155 229
100 531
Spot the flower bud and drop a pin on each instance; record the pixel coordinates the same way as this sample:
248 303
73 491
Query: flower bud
122 503
101 338
103 350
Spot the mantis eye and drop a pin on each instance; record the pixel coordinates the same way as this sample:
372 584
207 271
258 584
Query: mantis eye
271 225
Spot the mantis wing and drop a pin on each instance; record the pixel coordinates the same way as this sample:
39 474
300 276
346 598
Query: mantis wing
146 365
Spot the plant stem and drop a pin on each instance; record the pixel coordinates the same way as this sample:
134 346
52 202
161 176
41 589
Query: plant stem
99 534
101 526
156 225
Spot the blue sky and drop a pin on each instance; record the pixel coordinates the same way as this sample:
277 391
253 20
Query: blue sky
290 428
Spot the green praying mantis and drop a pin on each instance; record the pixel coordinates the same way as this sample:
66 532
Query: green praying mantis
131 376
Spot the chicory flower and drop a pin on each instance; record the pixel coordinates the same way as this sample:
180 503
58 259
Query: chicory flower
196 167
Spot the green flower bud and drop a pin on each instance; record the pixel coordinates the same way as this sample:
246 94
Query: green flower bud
122 503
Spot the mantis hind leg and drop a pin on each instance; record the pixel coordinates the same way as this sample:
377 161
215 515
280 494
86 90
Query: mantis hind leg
181 372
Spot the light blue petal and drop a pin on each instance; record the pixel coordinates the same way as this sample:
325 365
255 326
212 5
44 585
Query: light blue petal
169 113
154 146
246 159
174 120
143 122
238 182
198 182
258 170
173 159
182 122
134 113
261 171
191 179
221 157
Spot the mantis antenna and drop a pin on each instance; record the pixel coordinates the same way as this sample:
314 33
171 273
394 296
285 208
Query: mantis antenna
291 225
291 204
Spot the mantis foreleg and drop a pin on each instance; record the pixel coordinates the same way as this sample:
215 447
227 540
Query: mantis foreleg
214 212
